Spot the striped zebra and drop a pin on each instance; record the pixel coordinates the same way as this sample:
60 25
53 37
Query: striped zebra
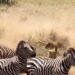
6 52
48 66
10 66
13 65
69 51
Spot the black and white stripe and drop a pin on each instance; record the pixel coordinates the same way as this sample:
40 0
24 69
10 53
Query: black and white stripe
48 66
13 65
6 52
69 51
9 66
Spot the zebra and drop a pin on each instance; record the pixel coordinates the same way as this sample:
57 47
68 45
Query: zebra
6 52
70 50
9 66
48 66
13 65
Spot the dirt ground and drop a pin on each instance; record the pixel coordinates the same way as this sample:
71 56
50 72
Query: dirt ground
20 21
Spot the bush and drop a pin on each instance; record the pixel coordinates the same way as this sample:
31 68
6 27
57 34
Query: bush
44 42
60 41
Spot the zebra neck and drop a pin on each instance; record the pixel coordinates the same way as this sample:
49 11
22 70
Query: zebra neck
22 60
23 63
66 63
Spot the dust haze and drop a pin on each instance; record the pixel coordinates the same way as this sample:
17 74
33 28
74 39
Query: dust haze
21 21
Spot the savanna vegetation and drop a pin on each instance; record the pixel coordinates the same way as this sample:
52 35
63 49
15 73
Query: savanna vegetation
40 22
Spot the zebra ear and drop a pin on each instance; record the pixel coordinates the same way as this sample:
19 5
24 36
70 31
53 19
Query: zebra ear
71 50
21 43
32 47
20 46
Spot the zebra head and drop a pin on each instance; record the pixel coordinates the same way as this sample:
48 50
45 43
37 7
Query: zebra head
25 50
71 53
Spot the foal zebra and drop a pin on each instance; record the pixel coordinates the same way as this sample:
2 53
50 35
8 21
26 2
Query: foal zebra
48 66
13 65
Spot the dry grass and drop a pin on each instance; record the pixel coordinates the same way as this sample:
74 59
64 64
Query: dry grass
32 23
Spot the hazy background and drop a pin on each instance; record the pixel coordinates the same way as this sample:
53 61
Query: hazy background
35 19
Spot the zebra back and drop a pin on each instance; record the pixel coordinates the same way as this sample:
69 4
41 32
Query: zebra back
6 52
10 66
48 66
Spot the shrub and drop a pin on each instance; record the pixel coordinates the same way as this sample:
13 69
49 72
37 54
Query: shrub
60 41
